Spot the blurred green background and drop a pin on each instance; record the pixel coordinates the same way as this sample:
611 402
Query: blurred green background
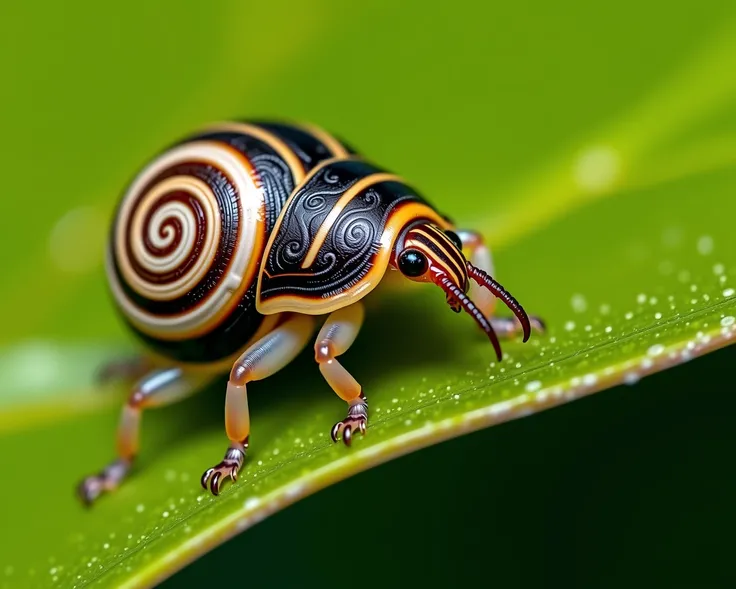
473 101
500 110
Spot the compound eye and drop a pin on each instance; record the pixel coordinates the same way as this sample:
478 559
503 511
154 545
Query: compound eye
412 263
455 238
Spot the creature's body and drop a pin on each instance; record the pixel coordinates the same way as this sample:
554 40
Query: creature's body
226 248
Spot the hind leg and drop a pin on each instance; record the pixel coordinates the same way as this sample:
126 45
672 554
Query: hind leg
480 257
158 388
264 358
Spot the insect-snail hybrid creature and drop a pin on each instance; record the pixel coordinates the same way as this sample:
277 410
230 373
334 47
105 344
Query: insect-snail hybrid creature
226 247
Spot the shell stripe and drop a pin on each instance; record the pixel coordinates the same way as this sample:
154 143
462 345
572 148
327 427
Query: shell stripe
202 310
319 239
190 234
296 166
356 248
310 144
337 149
376 268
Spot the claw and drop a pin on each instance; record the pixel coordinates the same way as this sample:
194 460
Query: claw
206 477
347 435
90 488
354 422
213 477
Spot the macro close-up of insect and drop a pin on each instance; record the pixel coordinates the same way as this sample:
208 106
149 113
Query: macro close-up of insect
228 245
277 276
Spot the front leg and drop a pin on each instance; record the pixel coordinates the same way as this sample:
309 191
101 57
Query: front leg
336 336
264 358
480 257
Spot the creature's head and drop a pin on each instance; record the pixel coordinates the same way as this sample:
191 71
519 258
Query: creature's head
426 253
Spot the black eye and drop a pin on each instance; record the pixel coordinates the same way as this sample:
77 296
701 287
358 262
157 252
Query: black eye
455 238
412 263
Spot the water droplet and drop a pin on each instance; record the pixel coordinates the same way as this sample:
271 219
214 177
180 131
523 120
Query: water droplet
641 298
589 380
718 269
570 325
533 386
140 507
729 292
727 321
251 503
655 350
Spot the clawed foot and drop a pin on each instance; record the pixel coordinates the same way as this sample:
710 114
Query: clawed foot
356 420
229 467
107 480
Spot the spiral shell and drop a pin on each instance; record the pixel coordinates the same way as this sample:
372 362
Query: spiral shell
190 231
187 238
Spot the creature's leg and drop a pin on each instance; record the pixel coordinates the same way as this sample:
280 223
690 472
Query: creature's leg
264 358
161 387
336 336
480 257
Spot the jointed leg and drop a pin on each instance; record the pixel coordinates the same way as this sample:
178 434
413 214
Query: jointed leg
161 387
336 336
264 358
480 257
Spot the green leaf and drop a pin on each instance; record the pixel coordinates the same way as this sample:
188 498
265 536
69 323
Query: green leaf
648 290
609 208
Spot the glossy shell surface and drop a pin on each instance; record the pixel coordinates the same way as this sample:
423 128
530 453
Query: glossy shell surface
333 241
191 229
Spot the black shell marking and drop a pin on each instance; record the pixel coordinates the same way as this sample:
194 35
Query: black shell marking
276 181
348 242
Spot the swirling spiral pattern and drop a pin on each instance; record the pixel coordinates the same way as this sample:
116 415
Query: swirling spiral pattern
190 233
186 239
335 237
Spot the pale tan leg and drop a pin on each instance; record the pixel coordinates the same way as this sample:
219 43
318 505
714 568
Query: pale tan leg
481 257
336 336
159 388
264 358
